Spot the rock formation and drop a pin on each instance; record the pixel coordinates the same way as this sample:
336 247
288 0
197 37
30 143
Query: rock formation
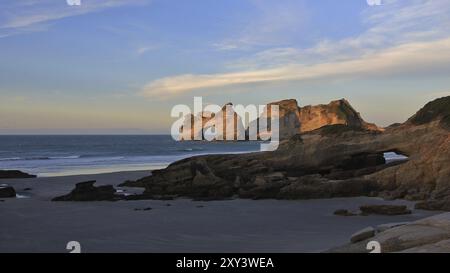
86 191
292 119
208 120
336 112
8 174
339 160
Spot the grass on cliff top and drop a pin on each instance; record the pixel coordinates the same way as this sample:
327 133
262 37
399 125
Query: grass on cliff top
437 109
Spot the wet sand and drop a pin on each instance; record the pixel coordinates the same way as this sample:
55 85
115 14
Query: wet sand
35 224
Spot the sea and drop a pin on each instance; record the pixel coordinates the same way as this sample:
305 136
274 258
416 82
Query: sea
60 155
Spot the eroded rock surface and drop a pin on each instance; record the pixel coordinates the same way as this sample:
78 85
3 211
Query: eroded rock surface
292 120
332 161
431 234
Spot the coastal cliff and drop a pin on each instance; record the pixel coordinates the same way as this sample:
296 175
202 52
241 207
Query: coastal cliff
292 119
339 160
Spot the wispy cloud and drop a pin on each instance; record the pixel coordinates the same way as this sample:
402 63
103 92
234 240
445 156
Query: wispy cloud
401 37
144 49
389 25
24 16
408 58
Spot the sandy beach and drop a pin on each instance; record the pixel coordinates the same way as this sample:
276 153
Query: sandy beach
35 224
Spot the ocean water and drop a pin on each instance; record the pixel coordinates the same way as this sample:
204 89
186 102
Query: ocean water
46 155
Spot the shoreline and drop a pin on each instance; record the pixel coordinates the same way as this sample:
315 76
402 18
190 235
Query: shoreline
35 224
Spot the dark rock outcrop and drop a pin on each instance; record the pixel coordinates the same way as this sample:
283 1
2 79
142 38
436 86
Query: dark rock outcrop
7 192
132 184
9 174
86 191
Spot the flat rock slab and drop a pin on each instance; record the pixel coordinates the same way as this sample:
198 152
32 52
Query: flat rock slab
431 234
439 247
363 234
384 227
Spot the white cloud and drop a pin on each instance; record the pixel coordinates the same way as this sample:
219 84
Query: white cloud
408 58
394 23
401 36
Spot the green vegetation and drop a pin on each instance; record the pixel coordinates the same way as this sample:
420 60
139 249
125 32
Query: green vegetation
445 122
437 109
338 129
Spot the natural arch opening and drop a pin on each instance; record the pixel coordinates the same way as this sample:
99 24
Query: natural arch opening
394 156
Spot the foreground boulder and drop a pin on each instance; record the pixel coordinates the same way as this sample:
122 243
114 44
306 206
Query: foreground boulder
7 192
431 234
5 174
340 160
86 191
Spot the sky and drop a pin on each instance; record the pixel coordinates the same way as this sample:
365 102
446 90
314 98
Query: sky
119 66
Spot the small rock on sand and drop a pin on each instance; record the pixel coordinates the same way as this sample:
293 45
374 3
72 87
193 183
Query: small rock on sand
344 212
384 210
143 209
7 192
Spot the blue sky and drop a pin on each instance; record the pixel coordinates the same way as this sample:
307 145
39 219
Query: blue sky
119 66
